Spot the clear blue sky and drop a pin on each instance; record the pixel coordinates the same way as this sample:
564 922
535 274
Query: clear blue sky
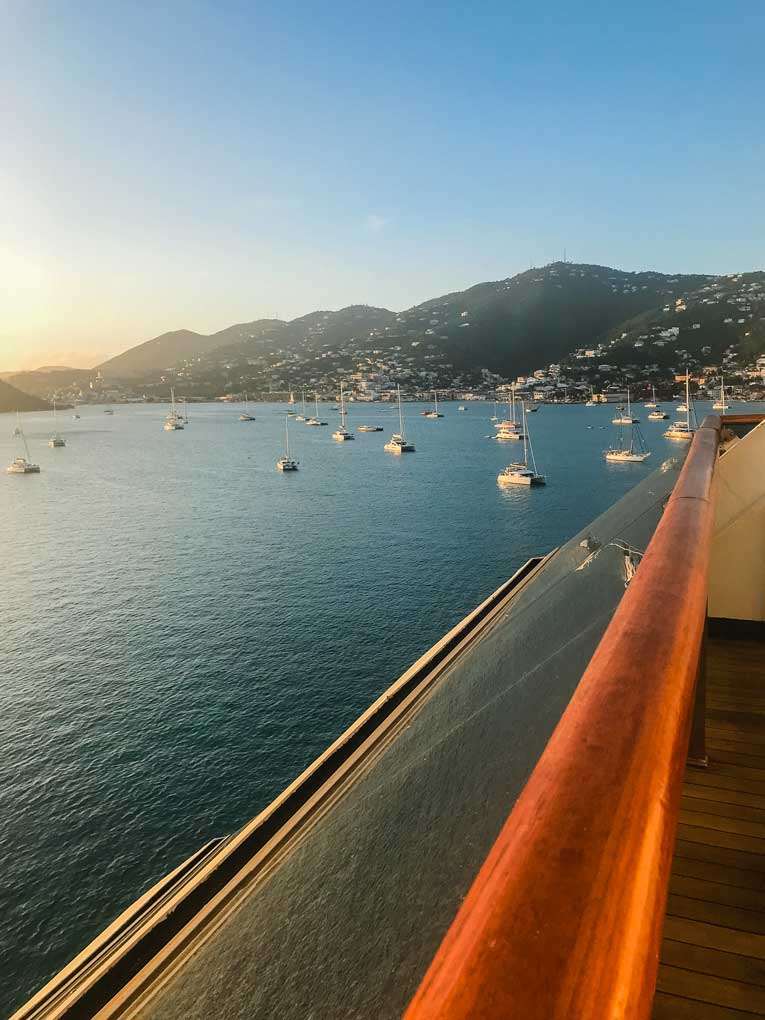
199 163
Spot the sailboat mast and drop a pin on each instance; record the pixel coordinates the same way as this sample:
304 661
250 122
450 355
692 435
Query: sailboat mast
316 397
400 415
687 399
512 397
629 410
287 436
525 437
342 407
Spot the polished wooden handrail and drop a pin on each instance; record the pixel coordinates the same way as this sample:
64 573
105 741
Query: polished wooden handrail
565 916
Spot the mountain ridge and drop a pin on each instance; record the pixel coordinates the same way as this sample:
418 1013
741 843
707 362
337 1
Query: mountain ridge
519 314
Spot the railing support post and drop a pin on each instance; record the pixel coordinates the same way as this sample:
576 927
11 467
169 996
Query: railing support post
697 747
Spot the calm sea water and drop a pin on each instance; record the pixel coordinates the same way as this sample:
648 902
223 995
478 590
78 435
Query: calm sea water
184 628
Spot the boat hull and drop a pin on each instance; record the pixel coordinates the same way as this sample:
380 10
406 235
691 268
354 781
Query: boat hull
526 480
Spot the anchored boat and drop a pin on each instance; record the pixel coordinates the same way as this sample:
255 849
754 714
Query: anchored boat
398 442
520 472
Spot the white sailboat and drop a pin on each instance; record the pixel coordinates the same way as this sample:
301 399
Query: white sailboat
720 404
316 420
591 401
683 429
342 434
22 465
173 421
433 412
510 424
245 415
625 417
519 472
56 441
398 442
652 402
634 452
286 462
301 417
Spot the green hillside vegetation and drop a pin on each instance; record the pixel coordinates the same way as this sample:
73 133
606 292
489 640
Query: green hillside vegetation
513 326
165 351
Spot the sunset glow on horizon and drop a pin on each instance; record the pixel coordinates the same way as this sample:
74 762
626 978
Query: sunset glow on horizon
197 165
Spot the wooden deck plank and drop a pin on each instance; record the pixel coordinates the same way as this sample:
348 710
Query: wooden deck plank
717 892
701 804
728 796
712 961
722 823
675 1007
696 851
724 874
710 988
713 954
727 916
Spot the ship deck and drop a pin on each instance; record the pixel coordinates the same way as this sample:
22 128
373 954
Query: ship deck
713 953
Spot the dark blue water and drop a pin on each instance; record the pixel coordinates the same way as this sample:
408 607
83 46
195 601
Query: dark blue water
184 628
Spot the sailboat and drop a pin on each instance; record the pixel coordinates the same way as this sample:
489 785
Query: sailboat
316 420
494 416
520 473
301 417
625 417
652 402
342 434
185 412
720 405
22 465
634 453
433 412
245 415
591 401
683 429
398 442
509 426
17 428
173 421
286 462
56 441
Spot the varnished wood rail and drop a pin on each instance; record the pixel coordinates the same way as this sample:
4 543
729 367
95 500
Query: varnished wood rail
564 919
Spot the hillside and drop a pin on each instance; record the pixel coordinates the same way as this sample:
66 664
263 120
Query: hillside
12 399
507 327
47 382
577 314
165 351
537 317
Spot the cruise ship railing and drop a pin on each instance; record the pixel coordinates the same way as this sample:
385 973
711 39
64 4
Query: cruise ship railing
564 919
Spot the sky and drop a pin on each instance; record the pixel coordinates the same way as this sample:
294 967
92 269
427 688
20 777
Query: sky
194 164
